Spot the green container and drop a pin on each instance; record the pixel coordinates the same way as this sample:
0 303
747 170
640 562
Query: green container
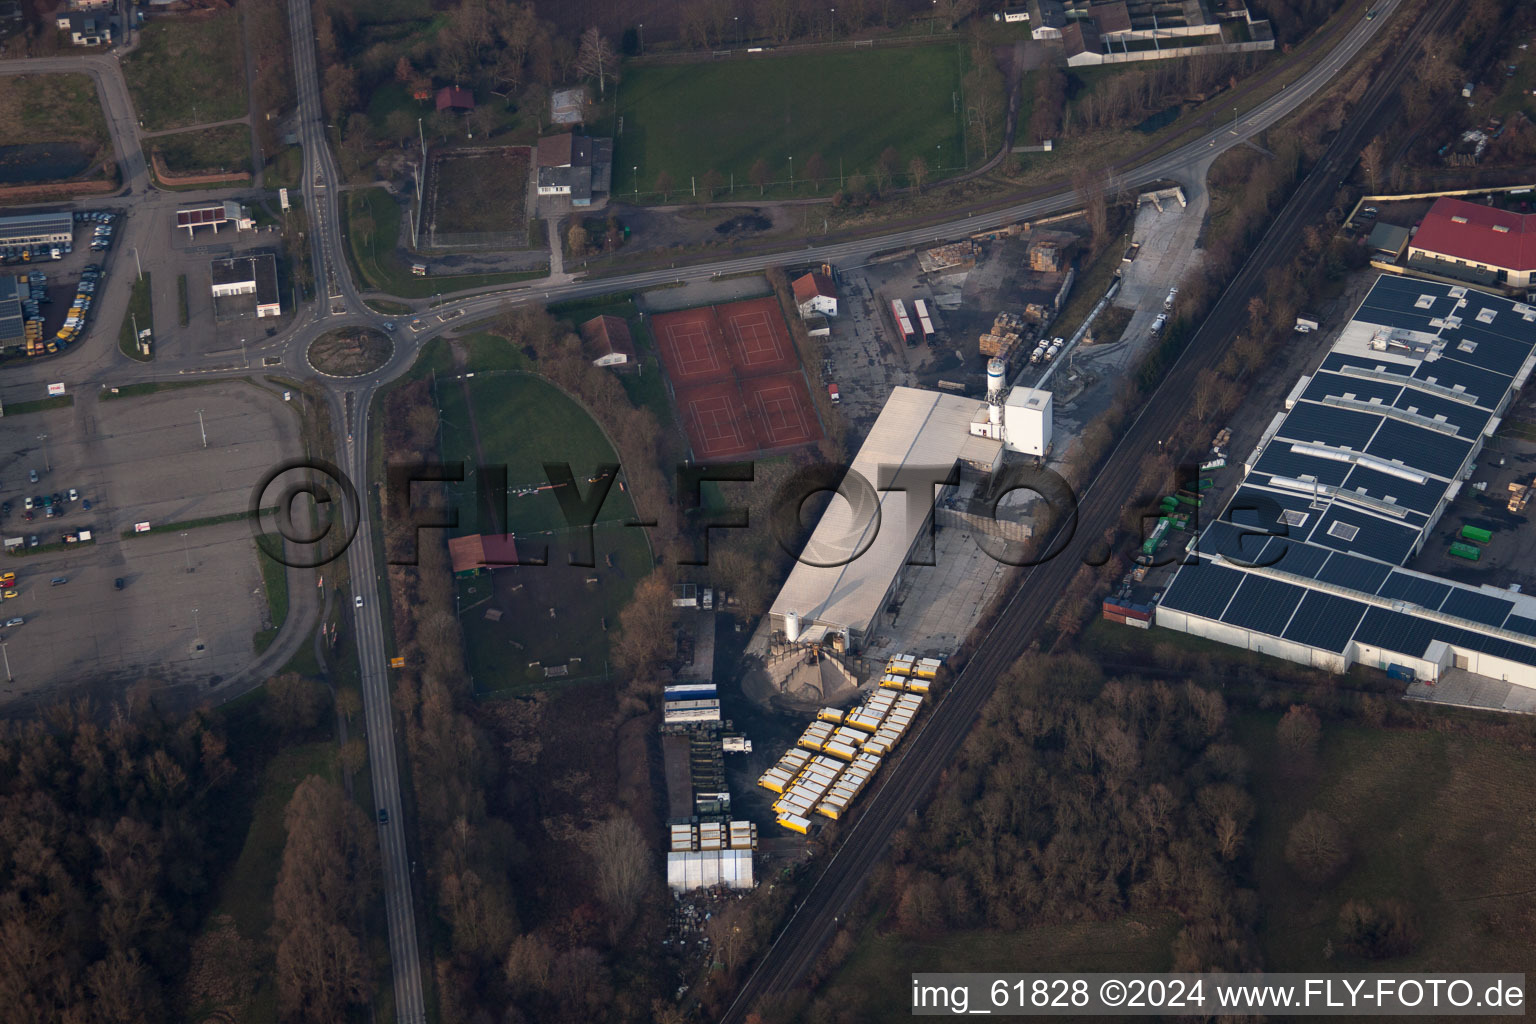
1476 533
1185 499
1466 551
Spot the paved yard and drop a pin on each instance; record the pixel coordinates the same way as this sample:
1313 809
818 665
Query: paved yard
190 604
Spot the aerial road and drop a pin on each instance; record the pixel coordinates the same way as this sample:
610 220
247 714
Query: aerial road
814 921
339 303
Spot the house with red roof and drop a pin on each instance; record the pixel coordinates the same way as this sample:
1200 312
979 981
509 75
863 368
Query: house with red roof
451 97
1476 243
815 294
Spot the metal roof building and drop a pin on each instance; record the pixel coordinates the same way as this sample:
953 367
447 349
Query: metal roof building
37 228
13 325
1345 486
245 284
1457 238
857 552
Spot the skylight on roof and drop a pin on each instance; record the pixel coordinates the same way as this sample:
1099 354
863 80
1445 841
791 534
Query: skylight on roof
1457 292
1467 345
1424 302
1295 520
1486 315
1343 531
1458 219
1502 229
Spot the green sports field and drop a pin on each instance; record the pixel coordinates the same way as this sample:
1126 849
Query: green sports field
848 105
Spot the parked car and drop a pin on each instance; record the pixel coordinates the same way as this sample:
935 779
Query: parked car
58 581
14 622
11 593
86 504
74 495
118 584
27 503
33 475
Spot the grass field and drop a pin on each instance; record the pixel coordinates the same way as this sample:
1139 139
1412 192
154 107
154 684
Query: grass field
482 193
690 118
869 979
550 613
245 895
1431 819
139 312
187 71
46 108
274 578
226 149
373 225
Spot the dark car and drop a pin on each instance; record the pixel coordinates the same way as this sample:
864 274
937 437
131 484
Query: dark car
5 509
383 816
118 584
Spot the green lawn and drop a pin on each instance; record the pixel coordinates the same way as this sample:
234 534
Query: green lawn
181 299
1431 819
274 577
686 119
187 71
225 150
555 612
141 314
523 423
372 228
46 108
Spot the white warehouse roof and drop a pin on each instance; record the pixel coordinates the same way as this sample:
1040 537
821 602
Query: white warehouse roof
916 428
701 869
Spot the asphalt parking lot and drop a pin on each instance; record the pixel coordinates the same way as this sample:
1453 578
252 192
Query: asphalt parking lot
191 600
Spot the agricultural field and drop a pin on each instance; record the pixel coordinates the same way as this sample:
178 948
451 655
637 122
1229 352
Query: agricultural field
686 120
481 193
51 128
188 71
209 151
554 613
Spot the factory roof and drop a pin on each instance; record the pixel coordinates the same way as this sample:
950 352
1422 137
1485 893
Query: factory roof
1472 231
1348 483
858 548
12 323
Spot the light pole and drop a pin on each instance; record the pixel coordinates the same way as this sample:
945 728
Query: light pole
197 626
791 174
933 22
47 466
202 429
186 552
642 38
832 21
737 20
8 677
244 359
137 263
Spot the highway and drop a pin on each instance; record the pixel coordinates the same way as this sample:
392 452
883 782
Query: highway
339 303
814 922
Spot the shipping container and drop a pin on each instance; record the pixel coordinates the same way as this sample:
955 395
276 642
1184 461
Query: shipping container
829 715
842 750
795 823
1402 672
1476 533
1466 551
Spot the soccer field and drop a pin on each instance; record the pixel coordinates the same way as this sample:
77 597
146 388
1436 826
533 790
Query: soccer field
846 105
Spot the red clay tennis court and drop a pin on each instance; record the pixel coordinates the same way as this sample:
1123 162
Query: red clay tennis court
756 337
779 409
716 420
692 346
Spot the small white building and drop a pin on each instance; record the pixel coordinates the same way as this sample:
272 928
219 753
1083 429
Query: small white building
815 294
239 280
214 215
1027 420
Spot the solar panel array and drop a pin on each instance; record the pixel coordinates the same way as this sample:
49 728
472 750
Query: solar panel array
1355 476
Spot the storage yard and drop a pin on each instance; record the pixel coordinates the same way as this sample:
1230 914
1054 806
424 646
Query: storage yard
838 754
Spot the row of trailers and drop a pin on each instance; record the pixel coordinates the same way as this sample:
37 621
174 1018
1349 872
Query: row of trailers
904 324
834 759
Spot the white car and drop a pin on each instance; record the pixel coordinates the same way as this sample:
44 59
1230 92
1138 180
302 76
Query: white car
1157 325
358 602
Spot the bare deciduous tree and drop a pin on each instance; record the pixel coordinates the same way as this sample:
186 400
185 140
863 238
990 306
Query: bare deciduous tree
1316 847
623 864
595 58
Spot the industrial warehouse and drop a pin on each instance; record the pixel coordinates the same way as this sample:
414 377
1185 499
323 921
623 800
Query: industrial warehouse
1345 487
855 556
36 229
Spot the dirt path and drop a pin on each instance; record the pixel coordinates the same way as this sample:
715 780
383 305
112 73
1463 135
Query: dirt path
195 127
250 100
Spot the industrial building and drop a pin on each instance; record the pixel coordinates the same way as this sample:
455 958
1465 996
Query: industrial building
214 215
860 548
1346 485
1475 243
13 322
243 285
37 229
1113 31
